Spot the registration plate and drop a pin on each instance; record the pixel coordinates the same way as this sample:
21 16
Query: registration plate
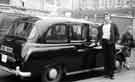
4 58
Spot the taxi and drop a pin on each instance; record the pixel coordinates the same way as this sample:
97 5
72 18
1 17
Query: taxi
48 47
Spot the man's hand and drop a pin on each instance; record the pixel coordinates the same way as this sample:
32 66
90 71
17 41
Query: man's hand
92 44
98 44
118 42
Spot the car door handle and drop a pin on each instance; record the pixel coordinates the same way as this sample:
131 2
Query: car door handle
81 50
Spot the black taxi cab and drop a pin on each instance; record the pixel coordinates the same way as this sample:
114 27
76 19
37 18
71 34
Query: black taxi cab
48 47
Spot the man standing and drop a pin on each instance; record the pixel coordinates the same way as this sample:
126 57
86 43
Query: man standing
128 42
108 36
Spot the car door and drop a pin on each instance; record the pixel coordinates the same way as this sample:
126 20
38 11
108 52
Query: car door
57 39
78 34
95 57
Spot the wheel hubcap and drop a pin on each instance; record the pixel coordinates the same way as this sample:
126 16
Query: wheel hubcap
53 73
117 64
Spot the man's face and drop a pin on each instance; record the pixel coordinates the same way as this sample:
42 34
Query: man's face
107 18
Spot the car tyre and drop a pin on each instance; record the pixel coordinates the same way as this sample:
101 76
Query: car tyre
52 74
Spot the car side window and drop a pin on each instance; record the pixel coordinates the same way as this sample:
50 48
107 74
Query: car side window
85 29
78 32
93 33
21 29
56 33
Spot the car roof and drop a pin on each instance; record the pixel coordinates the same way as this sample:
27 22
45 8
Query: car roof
48 21
64 19
52 20
29 19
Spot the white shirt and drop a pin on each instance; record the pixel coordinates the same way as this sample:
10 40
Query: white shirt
106 31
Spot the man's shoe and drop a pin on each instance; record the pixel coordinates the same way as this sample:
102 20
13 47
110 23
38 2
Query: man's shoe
109 77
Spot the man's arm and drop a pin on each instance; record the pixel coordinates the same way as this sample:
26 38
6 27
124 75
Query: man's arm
117 35
99 36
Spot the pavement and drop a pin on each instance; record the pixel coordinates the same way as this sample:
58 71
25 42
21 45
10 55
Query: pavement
124 76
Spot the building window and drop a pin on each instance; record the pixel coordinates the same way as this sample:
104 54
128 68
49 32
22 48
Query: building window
4 1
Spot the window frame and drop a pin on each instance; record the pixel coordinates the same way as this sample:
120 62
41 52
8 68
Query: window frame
44 37
87 31
90 31
15 25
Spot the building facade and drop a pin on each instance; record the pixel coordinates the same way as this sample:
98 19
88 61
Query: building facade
107 4
53 5
4 1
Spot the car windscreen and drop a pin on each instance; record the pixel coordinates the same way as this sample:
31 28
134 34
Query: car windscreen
20 29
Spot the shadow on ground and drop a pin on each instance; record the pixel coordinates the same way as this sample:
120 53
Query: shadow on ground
83 76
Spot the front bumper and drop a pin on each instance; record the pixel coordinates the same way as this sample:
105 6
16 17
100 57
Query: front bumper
16 71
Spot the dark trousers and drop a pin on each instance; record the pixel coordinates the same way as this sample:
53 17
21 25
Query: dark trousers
109 58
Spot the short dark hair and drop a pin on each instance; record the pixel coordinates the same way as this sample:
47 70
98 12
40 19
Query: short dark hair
107 14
